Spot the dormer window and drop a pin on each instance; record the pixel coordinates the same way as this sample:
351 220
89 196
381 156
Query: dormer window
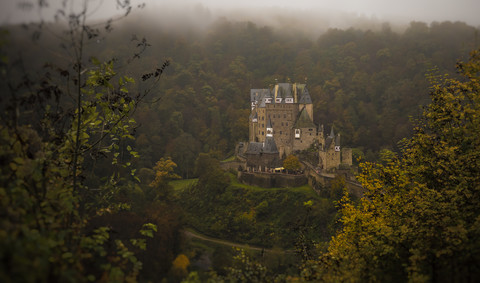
297 133
278 100
337 148
289 100
268 100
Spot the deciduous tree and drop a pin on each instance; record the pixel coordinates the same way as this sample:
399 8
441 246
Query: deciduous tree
419 218
291 163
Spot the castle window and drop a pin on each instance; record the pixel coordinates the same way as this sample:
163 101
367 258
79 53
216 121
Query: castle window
297 133
282 124
263 133
284 115
280 132
286 124
263 118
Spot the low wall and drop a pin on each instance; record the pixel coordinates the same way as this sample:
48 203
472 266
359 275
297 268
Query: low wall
272 180
227 165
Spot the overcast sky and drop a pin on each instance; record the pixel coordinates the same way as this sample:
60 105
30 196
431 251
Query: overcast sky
407 10
402 11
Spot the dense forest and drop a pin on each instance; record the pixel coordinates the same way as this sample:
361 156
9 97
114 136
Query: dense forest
367 84
97 120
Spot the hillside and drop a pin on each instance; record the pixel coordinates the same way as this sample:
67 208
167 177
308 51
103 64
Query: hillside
368 84
97 122
263 217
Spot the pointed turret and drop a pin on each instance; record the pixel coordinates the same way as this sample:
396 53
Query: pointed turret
305 97
270 146
303 120
330 139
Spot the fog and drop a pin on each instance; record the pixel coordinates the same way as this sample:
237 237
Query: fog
309 16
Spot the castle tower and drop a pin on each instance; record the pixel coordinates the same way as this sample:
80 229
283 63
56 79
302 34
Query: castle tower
305 131
306 102
253 126
329 157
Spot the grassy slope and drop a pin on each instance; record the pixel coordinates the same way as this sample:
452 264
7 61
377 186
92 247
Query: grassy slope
259 216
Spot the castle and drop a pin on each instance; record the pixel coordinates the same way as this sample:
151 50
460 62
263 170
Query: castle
281 123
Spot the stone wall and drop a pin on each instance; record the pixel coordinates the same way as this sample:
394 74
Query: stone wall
272 180
307 138
347 156
235 165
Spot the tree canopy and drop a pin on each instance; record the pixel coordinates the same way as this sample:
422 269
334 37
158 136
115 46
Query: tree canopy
419 218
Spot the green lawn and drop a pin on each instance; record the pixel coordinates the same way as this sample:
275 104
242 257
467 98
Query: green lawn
231 158
180 185
305 189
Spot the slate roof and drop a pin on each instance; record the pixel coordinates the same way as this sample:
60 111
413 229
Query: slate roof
284 90
269 146
305 97
303 120
330 139
254 148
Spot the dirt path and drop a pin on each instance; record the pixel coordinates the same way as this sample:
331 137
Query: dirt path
192 234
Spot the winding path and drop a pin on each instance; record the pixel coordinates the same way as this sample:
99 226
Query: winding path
191 234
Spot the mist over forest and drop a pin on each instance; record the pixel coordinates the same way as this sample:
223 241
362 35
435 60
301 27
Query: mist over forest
113 136
366 81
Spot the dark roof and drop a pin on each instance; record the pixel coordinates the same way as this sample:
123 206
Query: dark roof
254 148
284 90
259 94
305 97
303 120
330 139
269 146
328 142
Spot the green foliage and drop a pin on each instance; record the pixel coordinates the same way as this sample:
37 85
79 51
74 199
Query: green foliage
212 180
245 270
44 228
58 133
418 220
291 163
265 217
365 82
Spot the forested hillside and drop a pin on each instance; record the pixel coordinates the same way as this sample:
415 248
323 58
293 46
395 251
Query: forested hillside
367 84
96 120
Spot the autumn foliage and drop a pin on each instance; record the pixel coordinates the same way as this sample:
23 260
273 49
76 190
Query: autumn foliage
419 220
